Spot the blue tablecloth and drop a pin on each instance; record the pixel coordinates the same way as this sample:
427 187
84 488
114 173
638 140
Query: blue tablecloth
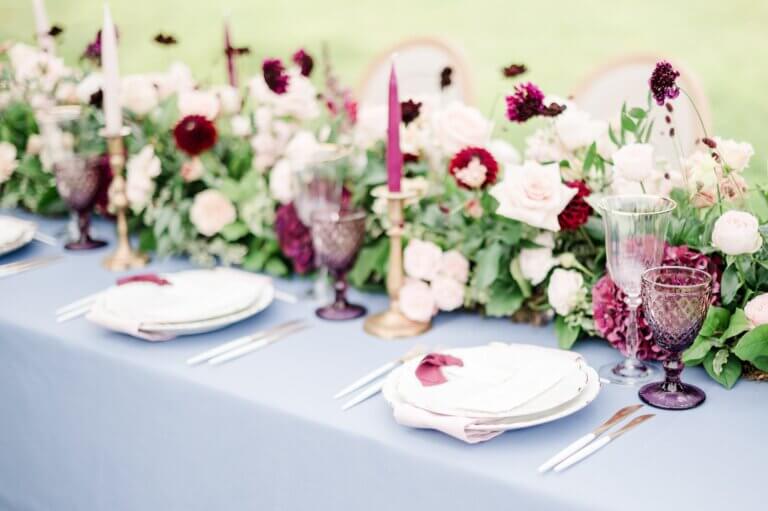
92 420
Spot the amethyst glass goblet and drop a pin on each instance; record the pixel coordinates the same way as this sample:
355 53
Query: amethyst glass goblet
337 237
78 180
675 301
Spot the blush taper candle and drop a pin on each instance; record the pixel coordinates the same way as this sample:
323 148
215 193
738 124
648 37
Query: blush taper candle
113 115
394 155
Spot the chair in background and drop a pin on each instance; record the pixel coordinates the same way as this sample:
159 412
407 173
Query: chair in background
604 90
420 62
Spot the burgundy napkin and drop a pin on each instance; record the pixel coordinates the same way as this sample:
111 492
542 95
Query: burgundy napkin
144 277
429 370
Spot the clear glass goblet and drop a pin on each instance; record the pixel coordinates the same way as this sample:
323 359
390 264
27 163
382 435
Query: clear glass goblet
675 301
635 228
337 237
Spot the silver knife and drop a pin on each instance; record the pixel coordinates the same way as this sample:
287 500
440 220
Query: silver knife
602 442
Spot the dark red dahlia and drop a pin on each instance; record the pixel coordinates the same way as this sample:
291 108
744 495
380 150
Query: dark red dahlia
611 314
294 239
93 49
195 134
527 101
305 62
474 177
274 75
577 212
663 82
513 70
446 77
409 110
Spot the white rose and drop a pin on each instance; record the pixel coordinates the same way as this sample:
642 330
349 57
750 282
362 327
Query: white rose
503 152
458 126
211 211
659 182
229 99
302 149
577 129
448 293
8 161
421 259
241 125
66 92
141 171
453 264
34 145
535 263
89 86
371 125
565 290
543 146
192 170
299 101
756 310
533 193
281 185
177 78
263 116
138 94
736 232
265 150
42 68
417 302
633 162
735 154
193 102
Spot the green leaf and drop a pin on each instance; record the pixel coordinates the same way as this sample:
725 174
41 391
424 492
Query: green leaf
730 370
753 347
589 158
276 266
566 334
637 113
517 275
147 241
698 351
716 322
503 300
730 283
488 265
372 259
739 324
234 231
627 124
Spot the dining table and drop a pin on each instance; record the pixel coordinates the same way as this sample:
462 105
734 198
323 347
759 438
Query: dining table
91 419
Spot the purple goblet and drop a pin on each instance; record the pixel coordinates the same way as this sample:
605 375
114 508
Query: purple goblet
675 301
77 180
337 237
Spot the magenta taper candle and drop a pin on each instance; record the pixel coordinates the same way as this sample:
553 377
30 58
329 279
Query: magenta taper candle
394 155
229 51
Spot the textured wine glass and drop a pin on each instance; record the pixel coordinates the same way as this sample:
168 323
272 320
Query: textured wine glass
337 238
635 228
675 301
78 180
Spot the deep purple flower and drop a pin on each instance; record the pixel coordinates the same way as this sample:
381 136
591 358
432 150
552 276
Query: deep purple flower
294 239
93 50
446 77
274 75
513 70
195 134
578 210
165 39
662 82
305 62
611 314
527 101
409 110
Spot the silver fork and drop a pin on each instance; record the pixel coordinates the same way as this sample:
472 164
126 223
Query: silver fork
6 270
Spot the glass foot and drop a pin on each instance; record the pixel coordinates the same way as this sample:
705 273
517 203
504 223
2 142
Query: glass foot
335 313
628 372
85 245
683 398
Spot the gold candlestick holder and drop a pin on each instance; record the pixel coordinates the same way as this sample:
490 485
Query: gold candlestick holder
124 257
392 324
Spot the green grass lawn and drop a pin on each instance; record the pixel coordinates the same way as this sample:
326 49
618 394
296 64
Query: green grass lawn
725 43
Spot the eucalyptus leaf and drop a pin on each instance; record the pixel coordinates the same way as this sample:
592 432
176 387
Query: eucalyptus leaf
566 334
488 265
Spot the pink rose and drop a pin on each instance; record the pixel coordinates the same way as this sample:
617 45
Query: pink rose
756 310
454 265
422 259
211 211
416 301
448 293
192 170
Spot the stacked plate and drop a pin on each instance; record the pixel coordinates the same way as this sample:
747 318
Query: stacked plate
14 233
196 301
500 387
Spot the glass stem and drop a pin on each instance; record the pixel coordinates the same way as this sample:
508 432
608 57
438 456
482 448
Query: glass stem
340 287
672 369
84 223
633 302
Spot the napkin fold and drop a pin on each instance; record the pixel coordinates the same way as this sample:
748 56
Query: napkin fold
144 277
414 417
124 325
429 370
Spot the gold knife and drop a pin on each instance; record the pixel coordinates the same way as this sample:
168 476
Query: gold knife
602 442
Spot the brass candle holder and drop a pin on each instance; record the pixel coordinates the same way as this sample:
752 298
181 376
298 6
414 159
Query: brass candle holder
392 324
124 257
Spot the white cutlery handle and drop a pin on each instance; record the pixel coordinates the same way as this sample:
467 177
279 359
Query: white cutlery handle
241 341
588 450
568 451
367 378
364 394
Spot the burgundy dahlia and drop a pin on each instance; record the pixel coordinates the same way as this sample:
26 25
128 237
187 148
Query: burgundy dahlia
446 77
305 62
294 238
513 70
662 82
527 101
195 134
611 314
577 212
275 76
409 110
474 168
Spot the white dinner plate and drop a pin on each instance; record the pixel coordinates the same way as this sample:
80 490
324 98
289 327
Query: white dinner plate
15 233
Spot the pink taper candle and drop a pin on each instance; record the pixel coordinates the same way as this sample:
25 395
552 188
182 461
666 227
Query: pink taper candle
113 114
230 54
394 155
